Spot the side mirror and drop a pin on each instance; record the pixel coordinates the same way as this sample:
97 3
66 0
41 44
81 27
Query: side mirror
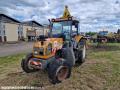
76 25
49 20
51 25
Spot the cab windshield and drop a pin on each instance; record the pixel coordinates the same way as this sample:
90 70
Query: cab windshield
61 27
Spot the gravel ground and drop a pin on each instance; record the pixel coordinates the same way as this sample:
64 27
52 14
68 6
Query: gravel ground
11 49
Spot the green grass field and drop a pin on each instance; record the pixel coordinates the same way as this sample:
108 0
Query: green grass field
101 71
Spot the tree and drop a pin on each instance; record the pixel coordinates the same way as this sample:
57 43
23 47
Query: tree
90 33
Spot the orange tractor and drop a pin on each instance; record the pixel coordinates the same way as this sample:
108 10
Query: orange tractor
59 51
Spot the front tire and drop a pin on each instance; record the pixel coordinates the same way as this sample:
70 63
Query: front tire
26 65
58 71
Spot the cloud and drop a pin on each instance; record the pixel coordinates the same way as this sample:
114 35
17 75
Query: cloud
93 14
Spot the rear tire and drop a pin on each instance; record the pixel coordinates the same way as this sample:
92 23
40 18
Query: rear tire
25 66
58 70
81 53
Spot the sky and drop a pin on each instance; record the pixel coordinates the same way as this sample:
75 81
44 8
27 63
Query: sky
94 15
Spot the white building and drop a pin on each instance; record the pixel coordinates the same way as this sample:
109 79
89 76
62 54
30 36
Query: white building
8 29
12 30
31 30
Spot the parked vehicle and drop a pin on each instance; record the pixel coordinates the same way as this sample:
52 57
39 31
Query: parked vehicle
59 51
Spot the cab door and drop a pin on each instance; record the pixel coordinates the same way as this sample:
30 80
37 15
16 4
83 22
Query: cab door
67 28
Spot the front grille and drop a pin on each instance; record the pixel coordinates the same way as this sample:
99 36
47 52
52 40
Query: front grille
41 52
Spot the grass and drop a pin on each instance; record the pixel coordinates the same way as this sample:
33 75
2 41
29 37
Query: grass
9 64
101 71
10 59
108 67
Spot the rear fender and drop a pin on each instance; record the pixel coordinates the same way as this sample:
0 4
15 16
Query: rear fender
82 41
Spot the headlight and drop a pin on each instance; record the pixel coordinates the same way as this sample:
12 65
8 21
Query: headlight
35 52
38 51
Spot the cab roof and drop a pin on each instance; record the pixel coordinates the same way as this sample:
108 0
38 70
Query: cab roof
66 16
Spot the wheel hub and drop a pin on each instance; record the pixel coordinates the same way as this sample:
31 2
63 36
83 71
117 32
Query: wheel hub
62 73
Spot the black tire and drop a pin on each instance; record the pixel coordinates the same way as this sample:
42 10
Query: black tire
81 54
54 68
24 64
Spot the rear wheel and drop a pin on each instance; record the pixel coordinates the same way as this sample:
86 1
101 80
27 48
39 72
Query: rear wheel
25 64
81 52
58 71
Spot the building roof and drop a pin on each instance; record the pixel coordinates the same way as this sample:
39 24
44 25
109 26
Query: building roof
8 19
32 23
46 25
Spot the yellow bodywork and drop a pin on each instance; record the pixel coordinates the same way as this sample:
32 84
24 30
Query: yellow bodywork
56 43
78 37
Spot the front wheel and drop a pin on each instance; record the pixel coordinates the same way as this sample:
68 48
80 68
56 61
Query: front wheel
25 64
58 71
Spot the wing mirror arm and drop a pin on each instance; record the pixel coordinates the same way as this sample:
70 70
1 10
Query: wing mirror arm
50 27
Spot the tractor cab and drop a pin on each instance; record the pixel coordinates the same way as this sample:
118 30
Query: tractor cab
64 27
